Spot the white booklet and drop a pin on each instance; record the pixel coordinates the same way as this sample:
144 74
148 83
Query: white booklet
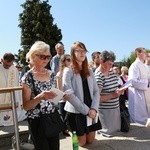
90 121
126 85
59 96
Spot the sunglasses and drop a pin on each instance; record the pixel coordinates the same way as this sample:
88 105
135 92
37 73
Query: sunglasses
43 57
68 59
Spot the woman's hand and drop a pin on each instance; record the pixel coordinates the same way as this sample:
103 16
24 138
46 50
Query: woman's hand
66 97
48 95
92 113
117 93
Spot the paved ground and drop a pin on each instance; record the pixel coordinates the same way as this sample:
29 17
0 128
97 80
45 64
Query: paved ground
138 138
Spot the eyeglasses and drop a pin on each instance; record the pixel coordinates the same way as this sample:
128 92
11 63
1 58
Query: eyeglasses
80 51
68 59
43 57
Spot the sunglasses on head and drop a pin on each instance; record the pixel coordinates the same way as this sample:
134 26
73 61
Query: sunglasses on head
43 57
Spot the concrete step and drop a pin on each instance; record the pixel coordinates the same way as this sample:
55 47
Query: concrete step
7 132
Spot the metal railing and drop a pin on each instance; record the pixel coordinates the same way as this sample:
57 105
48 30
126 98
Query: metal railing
12 107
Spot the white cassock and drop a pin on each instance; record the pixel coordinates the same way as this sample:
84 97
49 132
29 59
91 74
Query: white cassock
138 95
10 78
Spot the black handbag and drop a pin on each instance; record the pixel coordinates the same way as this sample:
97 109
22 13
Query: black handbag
125 120
51 124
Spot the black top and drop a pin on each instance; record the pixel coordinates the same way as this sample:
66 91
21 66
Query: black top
86 92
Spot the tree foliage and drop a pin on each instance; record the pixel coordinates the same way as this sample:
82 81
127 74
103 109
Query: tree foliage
36 23
128 61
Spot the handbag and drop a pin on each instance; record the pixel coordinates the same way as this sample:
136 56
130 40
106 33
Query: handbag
51 125
125 120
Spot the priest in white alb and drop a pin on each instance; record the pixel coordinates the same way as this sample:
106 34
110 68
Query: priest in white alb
139 92
9 77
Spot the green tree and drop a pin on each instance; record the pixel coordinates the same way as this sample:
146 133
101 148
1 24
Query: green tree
36 23
128 61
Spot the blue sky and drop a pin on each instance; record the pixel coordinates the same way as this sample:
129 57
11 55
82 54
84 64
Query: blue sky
117 25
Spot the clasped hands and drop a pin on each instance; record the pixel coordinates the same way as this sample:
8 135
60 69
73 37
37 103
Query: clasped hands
92 113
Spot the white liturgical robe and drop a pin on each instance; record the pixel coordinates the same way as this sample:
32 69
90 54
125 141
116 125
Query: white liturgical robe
138 96
10 78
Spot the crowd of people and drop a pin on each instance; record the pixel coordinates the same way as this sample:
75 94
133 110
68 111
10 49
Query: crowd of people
93 91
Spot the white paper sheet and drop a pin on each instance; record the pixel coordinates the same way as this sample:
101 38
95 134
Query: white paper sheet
69 91
126 85
59 96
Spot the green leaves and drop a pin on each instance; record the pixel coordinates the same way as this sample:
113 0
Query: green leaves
36 23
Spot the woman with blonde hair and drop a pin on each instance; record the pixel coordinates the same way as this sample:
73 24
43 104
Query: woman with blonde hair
124 73
37 83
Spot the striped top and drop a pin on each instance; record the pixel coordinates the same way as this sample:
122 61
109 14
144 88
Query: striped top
109 84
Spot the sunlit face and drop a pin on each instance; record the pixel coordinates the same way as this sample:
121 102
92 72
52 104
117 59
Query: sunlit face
97 59
67 61
7 64
60 50
142 55
115 70
80 54
107 65
42 59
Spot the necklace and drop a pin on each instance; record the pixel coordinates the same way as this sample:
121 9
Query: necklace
40 72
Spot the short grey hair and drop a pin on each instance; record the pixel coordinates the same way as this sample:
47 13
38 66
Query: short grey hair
108 56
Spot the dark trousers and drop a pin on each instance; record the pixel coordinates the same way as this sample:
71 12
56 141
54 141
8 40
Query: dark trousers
40 142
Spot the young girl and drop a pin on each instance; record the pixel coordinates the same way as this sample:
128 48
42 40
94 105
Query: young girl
84 100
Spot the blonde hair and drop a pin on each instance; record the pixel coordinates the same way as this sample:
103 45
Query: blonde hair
37 47
124 69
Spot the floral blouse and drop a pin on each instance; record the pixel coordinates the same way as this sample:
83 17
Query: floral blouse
45 106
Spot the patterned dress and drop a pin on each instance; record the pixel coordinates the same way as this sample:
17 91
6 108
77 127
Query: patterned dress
45 106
